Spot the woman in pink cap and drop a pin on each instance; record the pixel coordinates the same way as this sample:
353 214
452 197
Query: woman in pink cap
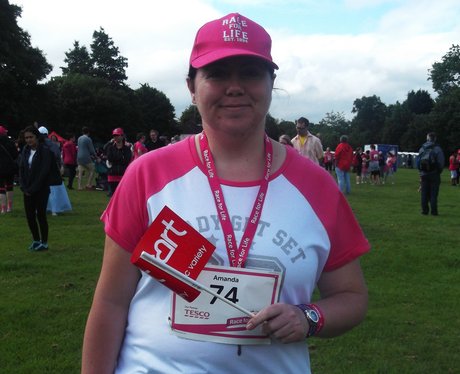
119 156
269 211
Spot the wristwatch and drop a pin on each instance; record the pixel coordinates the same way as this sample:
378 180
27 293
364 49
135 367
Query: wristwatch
312 317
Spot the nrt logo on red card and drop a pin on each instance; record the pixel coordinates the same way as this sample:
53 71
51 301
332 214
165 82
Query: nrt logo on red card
173 241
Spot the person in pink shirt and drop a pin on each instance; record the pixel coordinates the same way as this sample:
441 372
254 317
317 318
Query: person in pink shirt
264 206
343 161
374 167
328 160
453 168
69 158
458 168
390 167
139 146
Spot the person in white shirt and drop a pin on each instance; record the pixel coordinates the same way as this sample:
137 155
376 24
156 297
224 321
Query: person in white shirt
306 143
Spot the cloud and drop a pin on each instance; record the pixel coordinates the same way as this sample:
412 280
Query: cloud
326 58
327 72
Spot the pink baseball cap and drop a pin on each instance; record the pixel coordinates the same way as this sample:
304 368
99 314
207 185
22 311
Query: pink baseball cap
117 131
3 131
231 35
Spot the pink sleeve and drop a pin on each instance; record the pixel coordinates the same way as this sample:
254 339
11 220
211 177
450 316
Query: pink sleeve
126 218
347 240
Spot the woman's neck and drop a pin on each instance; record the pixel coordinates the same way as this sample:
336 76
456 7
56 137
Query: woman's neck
241 159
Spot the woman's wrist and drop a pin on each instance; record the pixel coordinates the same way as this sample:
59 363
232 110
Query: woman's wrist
314 316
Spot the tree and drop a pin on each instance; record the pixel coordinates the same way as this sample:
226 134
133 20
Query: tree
190 120
419 102
107 63
271 127
154 110
415 135
287 127
446 120
445 75
78 61
80 100
396 124
331 127
21 68
369 120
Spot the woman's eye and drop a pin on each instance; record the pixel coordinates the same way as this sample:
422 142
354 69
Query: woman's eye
252 73
216 74
245 72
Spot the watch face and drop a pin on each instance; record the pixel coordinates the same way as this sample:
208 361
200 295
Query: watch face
313 316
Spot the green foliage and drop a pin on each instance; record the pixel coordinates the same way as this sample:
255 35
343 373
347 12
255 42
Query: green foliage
154 110
419 102
369 120
446 117
190 120
104 62
416 132
271 127
21 66
331 127
106 59
412 275
81 100
445 75
396 123
78 61
287 127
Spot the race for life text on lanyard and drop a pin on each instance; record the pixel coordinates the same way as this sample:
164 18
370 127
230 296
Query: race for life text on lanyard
237 254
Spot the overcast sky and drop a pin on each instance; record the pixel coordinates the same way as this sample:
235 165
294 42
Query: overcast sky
330 52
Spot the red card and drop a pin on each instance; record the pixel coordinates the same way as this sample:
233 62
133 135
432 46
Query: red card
172 240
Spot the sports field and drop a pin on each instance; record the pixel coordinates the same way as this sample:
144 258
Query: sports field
413 275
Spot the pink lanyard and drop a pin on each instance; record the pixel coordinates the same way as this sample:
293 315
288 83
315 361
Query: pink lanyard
236 255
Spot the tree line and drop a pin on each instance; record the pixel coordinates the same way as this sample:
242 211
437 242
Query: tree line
92 91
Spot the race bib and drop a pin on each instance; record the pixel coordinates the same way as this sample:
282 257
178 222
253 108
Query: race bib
209 319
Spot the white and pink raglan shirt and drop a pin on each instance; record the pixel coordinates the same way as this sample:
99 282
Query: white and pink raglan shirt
306 227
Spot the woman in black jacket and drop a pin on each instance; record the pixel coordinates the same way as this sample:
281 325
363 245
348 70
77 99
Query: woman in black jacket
8 170
119 156
34 172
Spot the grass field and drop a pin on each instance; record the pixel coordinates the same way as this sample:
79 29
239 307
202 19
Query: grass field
413 275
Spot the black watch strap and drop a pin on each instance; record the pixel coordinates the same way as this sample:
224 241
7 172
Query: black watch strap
312 317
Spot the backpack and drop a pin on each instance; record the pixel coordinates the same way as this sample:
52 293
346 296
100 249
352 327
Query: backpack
427 159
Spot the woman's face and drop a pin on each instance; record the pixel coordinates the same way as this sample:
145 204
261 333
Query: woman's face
30 139
118 139
233 95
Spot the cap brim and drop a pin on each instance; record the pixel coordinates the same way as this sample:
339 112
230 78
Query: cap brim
220 54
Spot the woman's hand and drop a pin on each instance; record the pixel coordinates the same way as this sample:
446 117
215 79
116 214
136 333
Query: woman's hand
284 322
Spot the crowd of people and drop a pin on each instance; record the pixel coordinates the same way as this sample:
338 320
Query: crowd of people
102 168
25 162
375 167
372 166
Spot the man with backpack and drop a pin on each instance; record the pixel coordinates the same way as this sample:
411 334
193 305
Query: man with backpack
430 163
